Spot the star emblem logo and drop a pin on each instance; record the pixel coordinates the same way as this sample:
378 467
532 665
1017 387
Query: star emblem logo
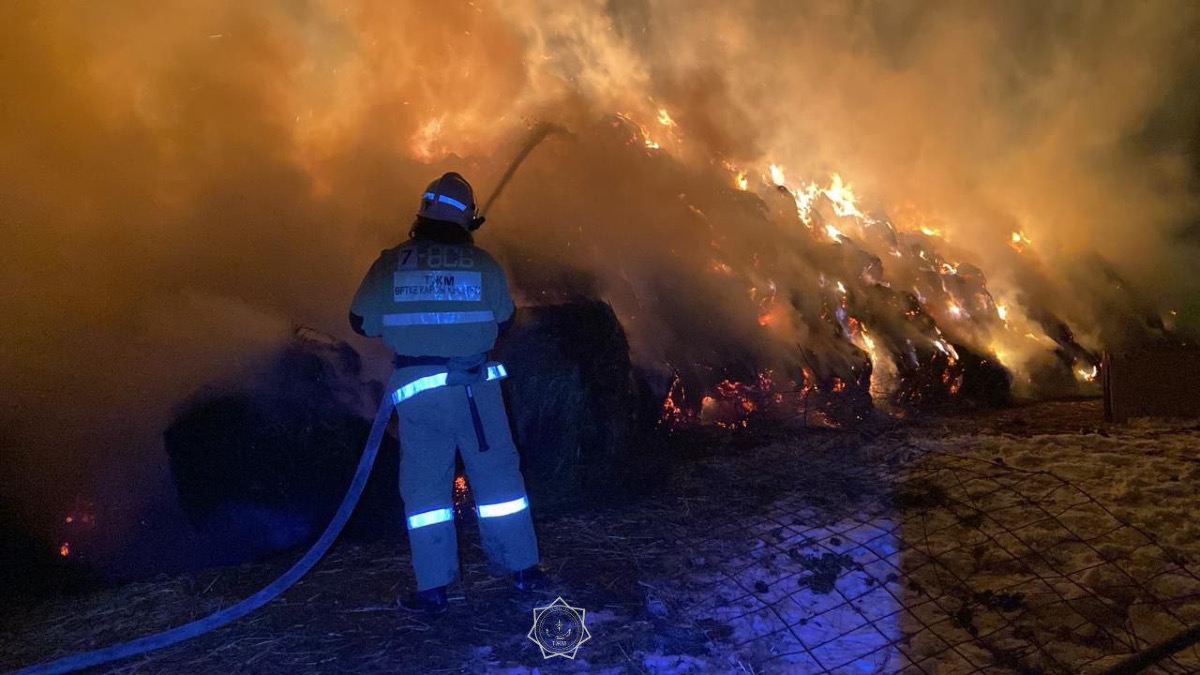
559 629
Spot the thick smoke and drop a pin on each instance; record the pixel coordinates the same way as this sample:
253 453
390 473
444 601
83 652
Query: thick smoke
180 182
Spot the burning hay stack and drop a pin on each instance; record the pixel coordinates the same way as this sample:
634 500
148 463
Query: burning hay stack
757 295
850 310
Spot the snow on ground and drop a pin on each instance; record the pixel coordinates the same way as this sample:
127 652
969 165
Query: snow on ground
994 552
1088 539
816 598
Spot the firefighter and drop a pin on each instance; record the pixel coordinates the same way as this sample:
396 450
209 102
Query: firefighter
440 302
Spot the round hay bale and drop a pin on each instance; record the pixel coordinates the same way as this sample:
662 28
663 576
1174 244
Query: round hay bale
584 419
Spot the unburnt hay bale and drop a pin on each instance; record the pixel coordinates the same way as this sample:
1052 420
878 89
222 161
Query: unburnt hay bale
264 467
583 416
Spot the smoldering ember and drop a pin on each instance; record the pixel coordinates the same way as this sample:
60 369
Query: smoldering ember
647 336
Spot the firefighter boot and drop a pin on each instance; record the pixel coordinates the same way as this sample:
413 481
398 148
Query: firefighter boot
530 578
431 601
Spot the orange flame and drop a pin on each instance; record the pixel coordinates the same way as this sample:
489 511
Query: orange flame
1019 242
777 175
842 197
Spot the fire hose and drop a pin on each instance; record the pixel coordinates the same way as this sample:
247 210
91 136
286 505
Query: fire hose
536 135
1159 652
217 619
302 566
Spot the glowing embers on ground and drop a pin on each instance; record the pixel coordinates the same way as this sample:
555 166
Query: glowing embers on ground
77 528
729 404
735 404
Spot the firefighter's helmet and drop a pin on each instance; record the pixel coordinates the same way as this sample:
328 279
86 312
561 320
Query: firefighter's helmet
449 198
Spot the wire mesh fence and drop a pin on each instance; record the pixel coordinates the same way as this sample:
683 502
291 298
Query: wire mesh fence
960 554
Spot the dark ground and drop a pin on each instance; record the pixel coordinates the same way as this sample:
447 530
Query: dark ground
627 565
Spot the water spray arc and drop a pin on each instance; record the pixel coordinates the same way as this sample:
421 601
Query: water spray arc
536 135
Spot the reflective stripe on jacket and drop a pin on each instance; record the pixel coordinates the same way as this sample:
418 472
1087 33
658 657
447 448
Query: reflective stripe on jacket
431 299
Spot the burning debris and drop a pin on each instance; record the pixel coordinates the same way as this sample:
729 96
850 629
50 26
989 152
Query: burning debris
79 524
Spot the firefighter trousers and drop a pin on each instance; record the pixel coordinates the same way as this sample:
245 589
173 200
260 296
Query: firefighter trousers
434 424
